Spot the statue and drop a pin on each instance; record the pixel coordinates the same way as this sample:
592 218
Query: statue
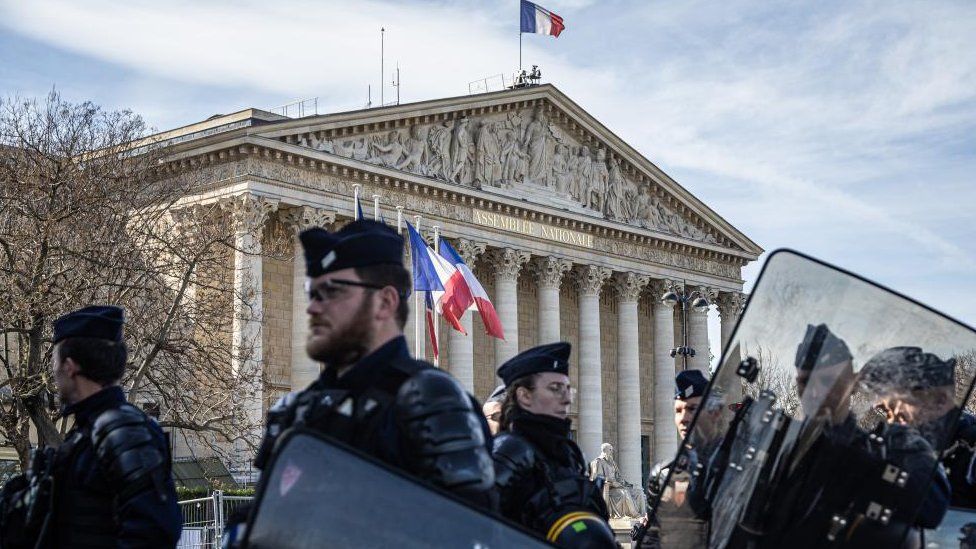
598 184
460 142
515 161
535 141
613 206
390 153
582 173
439 139
488 167
561 174
623 499
415 152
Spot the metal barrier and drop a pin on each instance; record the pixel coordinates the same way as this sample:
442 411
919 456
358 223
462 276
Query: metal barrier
204 519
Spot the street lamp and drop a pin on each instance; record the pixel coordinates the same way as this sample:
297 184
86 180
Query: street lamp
699 304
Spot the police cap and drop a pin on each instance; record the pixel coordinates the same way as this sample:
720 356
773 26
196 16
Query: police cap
820 347
689 384
96 321
359 244
553 357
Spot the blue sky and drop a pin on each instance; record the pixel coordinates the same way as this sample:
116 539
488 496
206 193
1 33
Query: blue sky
843 129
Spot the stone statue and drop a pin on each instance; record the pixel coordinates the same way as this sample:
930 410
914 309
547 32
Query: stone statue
581 175
535 141
389 153
415 152
598 183
488 165
439 139
460 144
623 499
613 206
561 174
515 161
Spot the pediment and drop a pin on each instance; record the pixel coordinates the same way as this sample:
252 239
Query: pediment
532 143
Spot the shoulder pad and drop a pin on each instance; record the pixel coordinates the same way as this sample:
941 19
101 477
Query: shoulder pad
514 449
431 391
283 403
128 448
412 366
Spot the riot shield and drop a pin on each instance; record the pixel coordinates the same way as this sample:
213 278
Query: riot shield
823 423
320 493
957 531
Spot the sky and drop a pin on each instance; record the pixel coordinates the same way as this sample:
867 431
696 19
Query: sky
846 130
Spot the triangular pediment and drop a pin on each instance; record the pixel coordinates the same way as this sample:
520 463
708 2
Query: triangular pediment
532 143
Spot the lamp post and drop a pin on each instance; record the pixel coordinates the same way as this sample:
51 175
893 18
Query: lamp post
697 301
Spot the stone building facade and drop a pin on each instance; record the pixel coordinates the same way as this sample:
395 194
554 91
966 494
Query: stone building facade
574 235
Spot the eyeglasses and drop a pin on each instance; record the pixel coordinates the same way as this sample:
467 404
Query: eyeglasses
560 389
332 289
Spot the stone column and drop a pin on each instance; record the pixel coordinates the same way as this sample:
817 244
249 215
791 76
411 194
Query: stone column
462 346
507 262
730 305
629 287
665 433
590 280
549 273
304 370
698 333
248 214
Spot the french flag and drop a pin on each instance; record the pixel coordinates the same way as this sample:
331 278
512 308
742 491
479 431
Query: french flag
476 292
425 278
538 19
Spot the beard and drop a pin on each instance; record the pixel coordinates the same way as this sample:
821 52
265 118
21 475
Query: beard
346 344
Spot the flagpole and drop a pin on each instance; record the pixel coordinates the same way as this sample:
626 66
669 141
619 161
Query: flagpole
419 324
399 219
355 200
520 51
376 207
437 318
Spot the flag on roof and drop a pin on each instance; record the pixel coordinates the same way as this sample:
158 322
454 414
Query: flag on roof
493 325
538 19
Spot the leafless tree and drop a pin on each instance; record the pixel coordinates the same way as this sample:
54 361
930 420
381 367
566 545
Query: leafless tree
86 218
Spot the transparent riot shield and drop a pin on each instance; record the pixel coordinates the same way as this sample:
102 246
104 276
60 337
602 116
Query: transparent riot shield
823 423
957 531
320 493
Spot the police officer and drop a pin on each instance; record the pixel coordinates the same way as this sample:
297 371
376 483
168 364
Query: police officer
112 481
372 394
689 388
541 475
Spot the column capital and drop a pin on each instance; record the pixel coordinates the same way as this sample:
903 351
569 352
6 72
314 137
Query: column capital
248 211
659 286
469 250
590 279
549 270
629 285
507 262
305 217
730 304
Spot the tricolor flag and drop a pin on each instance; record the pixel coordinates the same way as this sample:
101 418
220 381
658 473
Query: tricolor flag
429 302
538 19
359 209
430 271
493 325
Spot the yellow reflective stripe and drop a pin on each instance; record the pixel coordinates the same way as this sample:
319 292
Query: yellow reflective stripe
562 523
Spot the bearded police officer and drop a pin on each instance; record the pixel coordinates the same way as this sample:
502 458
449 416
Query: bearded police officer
371 394
541 474
110 481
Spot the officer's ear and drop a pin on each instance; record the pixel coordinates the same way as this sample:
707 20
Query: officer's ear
388 301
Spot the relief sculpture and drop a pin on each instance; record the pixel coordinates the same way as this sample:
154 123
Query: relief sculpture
521 150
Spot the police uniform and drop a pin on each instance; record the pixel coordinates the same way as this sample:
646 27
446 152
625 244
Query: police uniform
113 485
679 528
389 405
540 473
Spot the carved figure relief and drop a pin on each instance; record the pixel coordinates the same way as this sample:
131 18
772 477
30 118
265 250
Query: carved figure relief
521 149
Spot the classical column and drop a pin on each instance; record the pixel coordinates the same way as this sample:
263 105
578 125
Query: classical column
507 262
730 305
698 332
462 346
248 214
629 287
304 370
549 273
590 279
665 433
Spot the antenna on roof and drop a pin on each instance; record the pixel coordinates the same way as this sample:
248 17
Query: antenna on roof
382 72
396 82
369 95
